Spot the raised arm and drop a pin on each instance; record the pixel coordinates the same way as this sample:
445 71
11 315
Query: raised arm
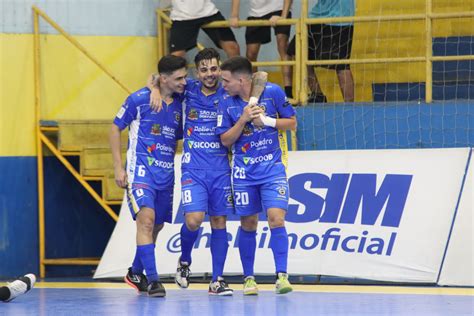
259 80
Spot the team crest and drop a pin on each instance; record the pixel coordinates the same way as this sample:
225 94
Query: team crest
230 199
247 131
193 114
177 116
281 191
263 107
156 129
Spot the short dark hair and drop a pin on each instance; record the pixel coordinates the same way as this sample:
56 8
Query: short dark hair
170 63
237 64
206 54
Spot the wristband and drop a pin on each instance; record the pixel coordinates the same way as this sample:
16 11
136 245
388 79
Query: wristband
253 101
268 121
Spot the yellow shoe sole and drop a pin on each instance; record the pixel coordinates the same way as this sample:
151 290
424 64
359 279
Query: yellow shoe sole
284 290
251 292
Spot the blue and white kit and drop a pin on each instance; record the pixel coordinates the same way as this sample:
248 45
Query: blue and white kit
258 175
151 149
205 180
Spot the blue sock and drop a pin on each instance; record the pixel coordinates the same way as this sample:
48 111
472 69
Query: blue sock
279 245
247 247
147 256
219 246
187 242
137 266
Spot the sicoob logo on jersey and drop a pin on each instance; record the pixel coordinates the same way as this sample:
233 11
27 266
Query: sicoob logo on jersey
151 160
193 115
156 129
247 131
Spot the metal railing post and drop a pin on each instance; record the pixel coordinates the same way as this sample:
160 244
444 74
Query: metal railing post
429 54
303 96
39 146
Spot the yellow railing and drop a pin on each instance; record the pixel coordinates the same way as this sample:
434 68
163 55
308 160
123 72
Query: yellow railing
42 139
301 59
428 58
164 23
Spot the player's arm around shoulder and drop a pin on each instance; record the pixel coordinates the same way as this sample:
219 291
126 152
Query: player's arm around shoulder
286 119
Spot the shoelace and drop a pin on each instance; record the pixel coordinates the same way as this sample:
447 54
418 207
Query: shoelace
185 271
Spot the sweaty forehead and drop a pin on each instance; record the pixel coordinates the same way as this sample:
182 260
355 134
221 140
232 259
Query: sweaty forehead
208 63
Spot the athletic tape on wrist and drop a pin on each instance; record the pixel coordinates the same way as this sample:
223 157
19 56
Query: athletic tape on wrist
253 101
268 121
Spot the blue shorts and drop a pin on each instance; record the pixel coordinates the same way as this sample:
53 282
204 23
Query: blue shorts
140 195
253 199
206 191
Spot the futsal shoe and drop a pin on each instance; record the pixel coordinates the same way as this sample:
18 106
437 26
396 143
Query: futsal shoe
156 289
21 286
136 280
220 288
282 285
250 286
182 275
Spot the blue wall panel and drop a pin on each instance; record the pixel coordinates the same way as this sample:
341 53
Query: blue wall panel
76 226
18 216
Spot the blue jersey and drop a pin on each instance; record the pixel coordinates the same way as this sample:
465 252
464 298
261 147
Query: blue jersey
202 147
256 153
152 138
333 8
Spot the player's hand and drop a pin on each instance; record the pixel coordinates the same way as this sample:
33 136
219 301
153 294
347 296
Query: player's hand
257 122
251 112
121 177
234 22
155 100
274 19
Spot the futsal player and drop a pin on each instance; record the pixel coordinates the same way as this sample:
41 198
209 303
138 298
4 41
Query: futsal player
259 177
149 173
205 180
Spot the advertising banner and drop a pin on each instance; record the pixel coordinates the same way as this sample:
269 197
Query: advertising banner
458 267
370 214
